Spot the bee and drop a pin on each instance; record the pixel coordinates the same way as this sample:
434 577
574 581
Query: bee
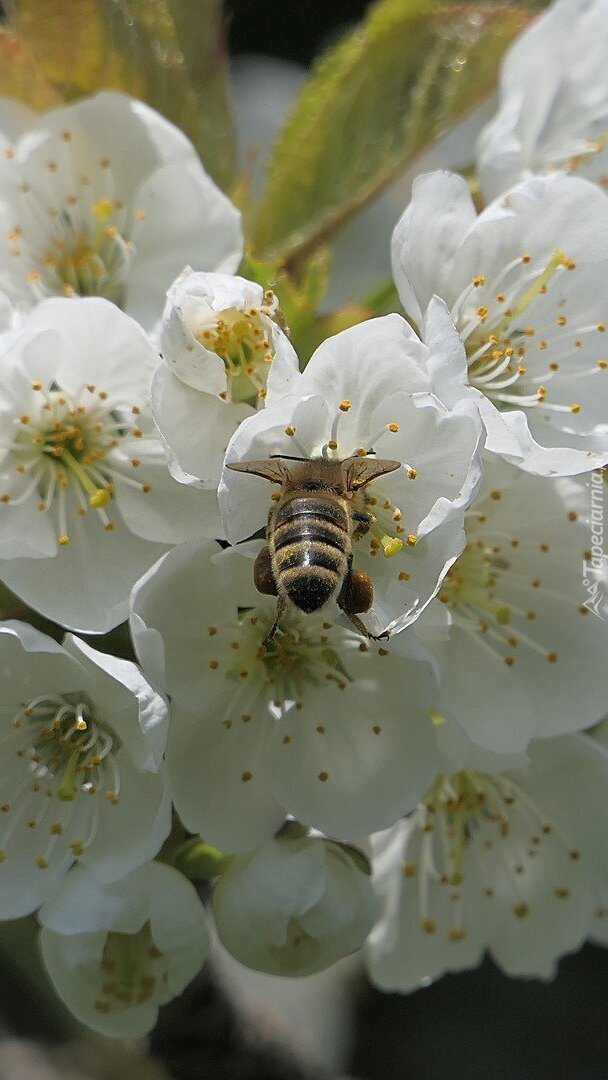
320 511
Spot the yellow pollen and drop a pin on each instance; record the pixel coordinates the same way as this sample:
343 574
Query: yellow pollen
344 406
139 215
479 281
102 209
100 499
63 539
521 911
500 298
552 657
575 407
404 576
290 430
393 427
526 258
391 545
428 926
482 312
323 776
246 776
36 385
332 444
602 364
570 264
561 320
412 539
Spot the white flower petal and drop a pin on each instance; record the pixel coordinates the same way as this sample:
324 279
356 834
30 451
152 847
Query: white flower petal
196 426
525 283
293 907
222 778
551 108
356 755
114 953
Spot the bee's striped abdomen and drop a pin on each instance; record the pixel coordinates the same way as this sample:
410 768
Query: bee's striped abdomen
310 545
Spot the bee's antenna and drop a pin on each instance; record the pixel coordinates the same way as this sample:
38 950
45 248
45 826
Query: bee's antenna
287 457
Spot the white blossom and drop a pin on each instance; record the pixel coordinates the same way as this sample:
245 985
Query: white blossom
315 723
86 500
366 390
116 952
525 282
523 631
219 340
82 737
553 104
295 906
104 197
501 854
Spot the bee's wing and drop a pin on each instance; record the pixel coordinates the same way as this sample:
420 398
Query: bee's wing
359 471
270 468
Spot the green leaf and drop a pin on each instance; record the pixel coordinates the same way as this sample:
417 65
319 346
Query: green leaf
298 299
412 71
169 53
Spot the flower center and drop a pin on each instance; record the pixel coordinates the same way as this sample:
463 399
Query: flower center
471 582
486 590
94 262
73 232
517 335
299 655
67 757
70 447
242 340
510 834
133 970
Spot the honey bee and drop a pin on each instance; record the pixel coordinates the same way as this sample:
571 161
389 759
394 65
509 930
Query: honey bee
312 524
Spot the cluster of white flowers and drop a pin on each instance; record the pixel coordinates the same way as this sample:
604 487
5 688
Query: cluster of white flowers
380 723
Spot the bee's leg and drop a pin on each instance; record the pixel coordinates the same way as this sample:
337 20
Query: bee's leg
357 595
263 577
363 521
280 611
